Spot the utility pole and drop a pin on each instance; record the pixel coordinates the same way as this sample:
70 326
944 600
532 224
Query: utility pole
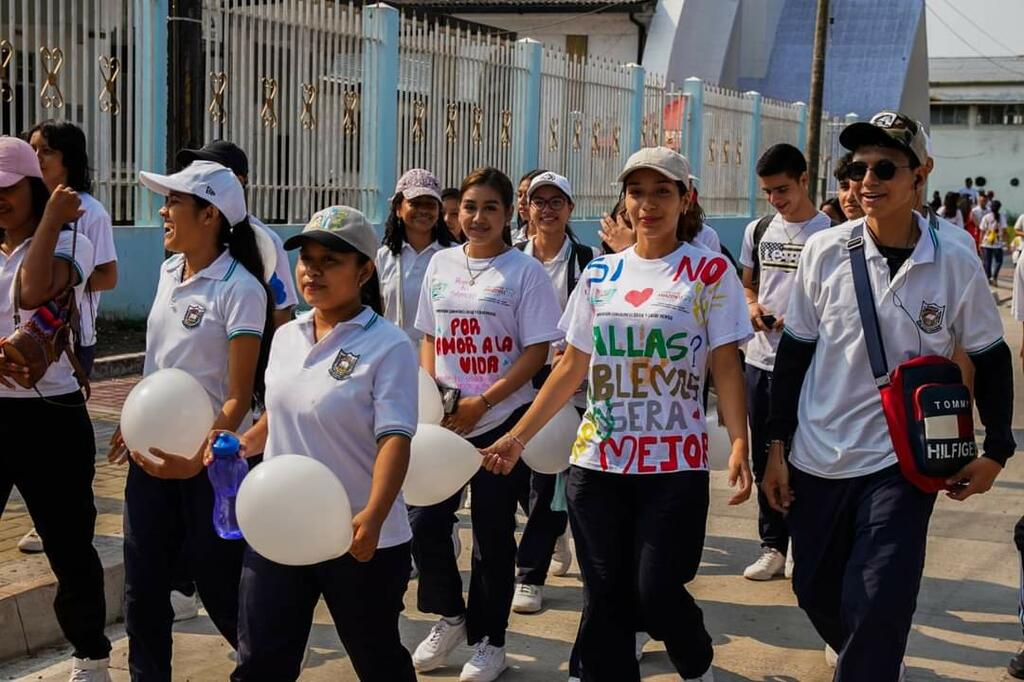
186 84
817 90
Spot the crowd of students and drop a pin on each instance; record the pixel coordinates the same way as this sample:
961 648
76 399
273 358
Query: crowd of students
488 289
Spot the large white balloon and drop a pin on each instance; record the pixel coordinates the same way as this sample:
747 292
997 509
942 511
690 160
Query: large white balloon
293 510
168 410
719 445
548 452
431 409
440 463
268 252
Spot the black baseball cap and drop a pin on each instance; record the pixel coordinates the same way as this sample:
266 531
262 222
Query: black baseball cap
887 129
223 152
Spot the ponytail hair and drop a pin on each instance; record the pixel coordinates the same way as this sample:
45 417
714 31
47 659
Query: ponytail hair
996 205
240 242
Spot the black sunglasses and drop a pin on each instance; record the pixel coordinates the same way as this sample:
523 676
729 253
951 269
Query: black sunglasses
883 170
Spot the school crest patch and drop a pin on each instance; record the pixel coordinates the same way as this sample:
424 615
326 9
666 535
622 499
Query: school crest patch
343 365
193 316
930 317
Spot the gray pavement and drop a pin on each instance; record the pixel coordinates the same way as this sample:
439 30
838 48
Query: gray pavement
966 626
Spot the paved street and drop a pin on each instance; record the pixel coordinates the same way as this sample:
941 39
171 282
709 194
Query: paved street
966 626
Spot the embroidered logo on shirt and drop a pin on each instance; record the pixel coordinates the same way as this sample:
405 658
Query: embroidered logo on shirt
930 317
193 316
343 365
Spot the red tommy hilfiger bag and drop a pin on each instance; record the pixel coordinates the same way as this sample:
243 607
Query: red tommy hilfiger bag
926 404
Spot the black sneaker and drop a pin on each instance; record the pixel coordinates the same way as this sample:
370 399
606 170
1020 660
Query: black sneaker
1016 666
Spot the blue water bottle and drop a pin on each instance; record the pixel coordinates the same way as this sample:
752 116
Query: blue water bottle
226 473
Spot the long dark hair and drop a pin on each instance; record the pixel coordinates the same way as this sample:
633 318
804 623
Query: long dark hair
951 204
68 139
240 242
394 228
996 205
526 176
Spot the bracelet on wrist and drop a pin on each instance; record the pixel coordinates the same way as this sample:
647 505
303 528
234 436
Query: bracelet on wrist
487 402
515 439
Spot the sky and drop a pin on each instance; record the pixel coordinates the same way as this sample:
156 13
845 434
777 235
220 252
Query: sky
1002 20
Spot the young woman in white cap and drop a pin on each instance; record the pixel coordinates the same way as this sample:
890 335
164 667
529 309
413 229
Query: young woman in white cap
47 258
544 544
488 313
857 516
413 232
356 368
210 318
644 325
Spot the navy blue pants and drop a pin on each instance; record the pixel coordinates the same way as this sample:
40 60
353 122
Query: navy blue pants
771 525
492 576
163 522
639 540
993 261
859 545
365 600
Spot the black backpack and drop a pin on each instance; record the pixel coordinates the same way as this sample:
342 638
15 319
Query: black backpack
581 253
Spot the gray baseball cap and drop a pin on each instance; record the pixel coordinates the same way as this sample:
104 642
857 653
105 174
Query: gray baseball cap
668 162
338 227
887 129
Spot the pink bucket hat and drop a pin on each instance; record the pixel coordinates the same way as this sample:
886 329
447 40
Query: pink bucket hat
17 160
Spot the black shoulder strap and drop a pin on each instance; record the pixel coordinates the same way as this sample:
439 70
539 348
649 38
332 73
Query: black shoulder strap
521 245
759 230
582 254
866 305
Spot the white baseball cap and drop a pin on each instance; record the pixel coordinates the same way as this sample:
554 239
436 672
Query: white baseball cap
668 162
547 178
207 180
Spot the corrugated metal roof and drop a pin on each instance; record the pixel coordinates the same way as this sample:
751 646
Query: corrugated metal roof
975 70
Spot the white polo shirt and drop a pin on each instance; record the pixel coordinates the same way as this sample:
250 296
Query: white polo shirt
333 399
949 230
192 322
282 282
779 253
482 323
95 224
411 266
938 299
59 378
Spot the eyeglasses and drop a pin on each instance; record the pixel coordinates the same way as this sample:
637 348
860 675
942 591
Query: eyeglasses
555 204
883 170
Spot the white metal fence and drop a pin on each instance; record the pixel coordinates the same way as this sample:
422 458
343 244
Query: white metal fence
585 116
458 95
725 168
76 61
283 82
665 115
780 122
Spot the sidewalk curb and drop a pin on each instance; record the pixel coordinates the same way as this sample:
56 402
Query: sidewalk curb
118 366
27 620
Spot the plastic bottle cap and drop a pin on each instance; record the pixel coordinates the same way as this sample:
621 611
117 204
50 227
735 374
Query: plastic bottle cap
225 446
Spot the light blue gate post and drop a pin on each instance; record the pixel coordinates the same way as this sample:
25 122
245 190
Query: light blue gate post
379 108
526 124
694 90
755 147
850 118
634 134
801 139
150 104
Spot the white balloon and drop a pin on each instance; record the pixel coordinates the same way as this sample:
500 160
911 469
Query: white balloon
268 252
719 444
169 410
293 510
431 409
440 463
548 452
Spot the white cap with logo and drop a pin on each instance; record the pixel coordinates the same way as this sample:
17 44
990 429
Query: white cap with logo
207 180
338 228
668 162
549 179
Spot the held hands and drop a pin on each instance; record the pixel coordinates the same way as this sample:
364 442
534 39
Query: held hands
501 457
974 479
466 415
739 472
365 535
775 485
63 207
616 232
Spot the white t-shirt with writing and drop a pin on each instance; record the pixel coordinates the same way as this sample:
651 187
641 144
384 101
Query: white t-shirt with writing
96 225
993 231
649 326
779 252
481 323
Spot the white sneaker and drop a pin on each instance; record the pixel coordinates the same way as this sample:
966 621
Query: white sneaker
432 653
89 670
789 561
770 564
527 599
642 638
831 657
414 570
456 541
561 558
486 665
185 607
708 676
31 543
903 672
469 498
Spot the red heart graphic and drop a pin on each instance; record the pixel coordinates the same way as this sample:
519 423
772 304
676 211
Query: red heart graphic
638 298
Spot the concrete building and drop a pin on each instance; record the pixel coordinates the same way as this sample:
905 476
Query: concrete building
977 125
